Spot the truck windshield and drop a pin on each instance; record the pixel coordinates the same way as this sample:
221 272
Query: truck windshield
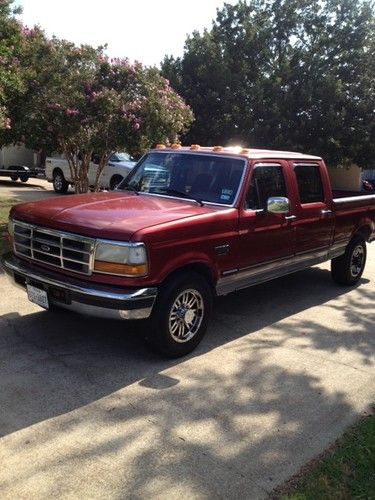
197 176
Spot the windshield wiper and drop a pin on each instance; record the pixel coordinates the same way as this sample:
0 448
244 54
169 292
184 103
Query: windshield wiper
182 194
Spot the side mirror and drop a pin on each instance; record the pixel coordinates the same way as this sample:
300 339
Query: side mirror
278 205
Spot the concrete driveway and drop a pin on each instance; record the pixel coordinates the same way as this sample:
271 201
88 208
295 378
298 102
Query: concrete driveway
33 189
87 411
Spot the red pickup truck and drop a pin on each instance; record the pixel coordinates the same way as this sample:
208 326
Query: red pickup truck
186 225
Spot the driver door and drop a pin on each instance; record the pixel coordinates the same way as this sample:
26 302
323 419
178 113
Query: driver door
267 239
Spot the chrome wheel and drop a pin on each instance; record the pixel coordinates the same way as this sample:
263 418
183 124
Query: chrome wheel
356 261
186 315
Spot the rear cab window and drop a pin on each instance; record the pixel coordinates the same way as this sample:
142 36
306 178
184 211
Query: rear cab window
309 183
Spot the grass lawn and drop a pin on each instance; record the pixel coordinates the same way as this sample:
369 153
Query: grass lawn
346 471
5 206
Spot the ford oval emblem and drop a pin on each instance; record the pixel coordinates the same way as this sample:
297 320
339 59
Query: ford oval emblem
45 248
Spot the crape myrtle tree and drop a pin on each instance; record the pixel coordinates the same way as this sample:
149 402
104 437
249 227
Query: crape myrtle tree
10 73
286 74
80 103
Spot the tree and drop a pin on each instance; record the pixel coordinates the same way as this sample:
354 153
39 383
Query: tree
10 47
289 74
75 101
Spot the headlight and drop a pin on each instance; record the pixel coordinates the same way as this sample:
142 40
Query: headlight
10 227
125 259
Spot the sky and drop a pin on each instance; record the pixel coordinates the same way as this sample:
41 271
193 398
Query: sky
143 30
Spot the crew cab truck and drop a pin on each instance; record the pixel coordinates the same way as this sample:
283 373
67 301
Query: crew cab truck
58 172
186 225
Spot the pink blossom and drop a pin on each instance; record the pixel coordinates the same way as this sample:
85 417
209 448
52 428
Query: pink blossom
7 123
71 112
53 105
136 126
27 32
2 60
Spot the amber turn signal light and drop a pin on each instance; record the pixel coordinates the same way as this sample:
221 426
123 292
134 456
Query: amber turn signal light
121 269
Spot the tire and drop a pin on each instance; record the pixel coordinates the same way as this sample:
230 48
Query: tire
14 177
348 268
115 181
60 185
178 328
24 177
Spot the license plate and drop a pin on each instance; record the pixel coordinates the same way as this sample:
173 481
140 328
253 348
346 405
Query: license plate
37 296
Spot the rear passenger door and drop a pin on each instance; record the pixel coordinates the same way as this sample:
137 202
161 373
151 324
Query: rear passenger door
314 223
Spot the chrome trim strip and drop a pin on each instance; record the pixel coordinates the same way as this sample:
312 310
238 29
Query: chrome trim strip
349 199
337 249
270 270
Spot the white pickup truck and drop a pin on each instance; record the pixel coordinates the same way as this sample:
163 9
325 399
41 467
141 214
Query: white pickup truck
58 171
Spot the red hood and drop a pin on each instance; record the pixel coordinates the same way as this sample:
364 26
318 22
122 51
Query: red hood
106 215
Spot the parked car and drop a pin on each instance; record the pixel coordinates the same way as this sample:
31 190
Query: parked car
368 185
187 225
119 165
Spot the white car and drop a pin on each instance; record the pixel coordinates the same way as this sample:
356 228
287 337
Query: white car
119 165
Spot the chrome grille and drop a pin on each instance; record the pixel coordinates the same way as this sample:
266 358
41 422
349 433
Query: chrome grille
56 248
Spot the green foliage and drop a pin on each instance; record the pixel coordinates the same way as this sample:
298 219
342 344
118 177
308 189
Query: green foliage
289 74
10 48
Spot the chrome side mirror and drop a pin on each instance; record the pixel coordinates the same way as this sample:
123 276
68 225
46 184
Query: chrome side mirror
278 205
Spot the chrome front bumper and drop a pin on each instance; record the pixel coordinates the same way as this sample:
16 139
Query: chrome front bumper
92 299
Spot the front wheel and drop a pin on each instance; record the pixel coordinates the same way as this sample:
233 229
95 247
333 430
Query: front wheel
348 268
181 314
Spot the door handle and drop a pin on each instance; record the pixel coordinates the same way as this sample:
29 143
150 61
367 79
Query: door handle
326 212
290 217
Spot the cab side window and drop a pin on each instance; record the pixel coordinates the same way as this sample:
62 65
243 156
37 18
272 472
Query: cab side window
266 181
309 183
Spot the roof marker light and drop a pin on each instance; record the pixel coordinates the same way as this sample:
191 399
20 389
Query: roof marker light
218 148
245 151
160 146
176 146
195 147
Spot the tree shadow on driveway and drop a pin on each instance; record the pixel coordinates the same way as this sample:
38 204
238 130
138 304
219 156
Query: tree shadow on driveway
51 363
234 419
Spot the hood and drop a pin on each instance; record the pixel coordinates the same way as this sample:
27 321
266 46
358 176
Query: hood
113 215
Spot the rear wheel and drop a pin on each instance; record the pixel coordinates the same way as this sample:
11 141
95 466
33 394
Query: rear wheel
181 314
348 268
60 185
14 177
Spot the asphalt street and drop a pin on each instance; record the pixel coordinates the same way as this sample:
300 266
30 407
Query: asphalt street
87 410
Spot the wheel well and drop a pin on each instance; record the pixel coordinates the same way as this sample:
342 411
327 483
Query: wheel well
58 170
364 231
198 268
